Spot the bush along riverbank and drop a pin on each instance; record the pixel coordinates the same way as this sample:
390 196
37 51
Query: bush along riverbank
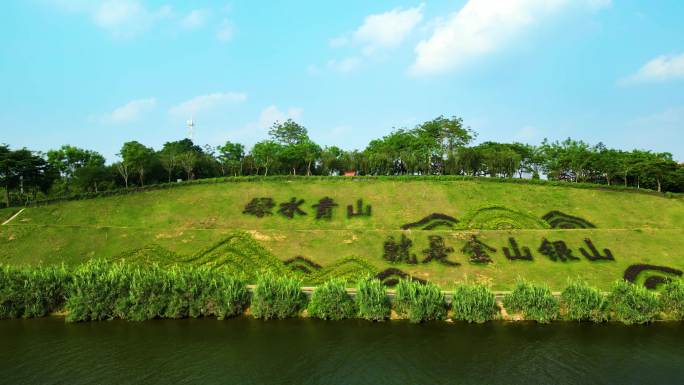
100 290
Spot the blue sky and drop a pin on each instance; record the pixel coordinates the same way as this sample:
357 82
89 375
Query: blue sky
98 73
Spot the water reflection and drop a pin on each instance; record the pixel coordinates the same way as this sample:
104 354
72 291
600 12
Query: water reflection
246 351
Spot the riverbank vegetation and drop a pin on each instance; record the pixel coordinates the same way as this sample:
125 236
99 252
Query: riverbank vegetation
442 146
101 291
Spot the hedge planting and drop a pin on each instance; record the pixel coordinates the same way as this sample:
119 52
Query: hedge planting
330 301
420 302
474 303
533 301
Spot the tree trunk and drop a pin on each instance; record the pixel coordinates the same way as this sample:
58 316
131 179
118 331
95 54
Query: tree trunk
658 182
308 169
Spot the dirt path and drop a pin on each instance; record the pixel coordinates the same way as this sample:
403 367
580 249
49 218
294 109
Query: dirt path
12 217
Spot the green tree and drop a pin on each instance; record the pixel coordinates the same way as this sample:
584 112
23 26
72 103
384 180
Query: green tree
67 159
288 132
138 157
188 161
265 154
231 156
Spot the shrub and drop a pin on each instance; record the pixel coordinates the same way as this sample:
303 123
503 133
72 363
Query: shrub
372 300
580 302
534 302
420 302
96 291
474 303
630 303
672 299
330 301
277 297
31 292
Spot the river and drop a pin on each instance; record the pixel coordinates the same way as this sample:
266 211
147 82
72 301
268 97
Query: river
246 351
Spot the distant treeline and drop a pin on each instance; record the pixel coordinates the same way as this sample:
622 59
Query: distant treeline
442 146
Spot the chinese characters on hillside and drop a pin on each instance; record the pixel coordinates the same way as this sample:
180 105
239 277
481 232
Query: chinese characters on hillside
400 249
261 207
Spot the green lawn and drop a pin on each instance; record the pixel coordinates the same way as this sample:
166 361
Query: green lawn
637 228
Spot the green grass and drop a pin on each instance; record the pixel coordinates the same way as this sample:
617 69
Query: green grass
203 225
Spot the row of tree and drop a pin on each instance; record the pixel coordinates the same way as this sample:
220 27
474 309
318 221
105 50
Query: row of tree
442 146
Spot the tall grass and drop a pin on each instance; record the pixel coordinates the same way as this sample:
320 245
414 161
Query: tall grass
31 292
101 290
97 291
581 302
372 300
632 304
277 297
330 301
474 303
533 301
420 302
672 300
182 292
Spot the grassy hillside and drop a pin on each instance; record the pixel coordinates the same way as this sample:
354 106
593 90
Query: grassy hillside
205 224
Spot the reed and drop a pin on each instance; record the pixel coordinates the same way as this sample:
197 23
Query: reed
96 291
277 297
581 302
672 300
372 300
32 292
330 301
420 302
474 303
632 304
533 301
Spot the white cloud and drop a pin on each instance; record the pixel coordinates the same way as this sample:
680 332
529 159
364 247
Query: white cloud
121 18
527 134
130 111
272 114
225 31
377 34
203 103
387 30
659 131
659 69
339 41
345 65
257 130
195 19
485 26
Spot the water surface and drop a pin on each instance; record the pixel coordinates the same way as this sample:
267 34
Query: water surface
246 351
